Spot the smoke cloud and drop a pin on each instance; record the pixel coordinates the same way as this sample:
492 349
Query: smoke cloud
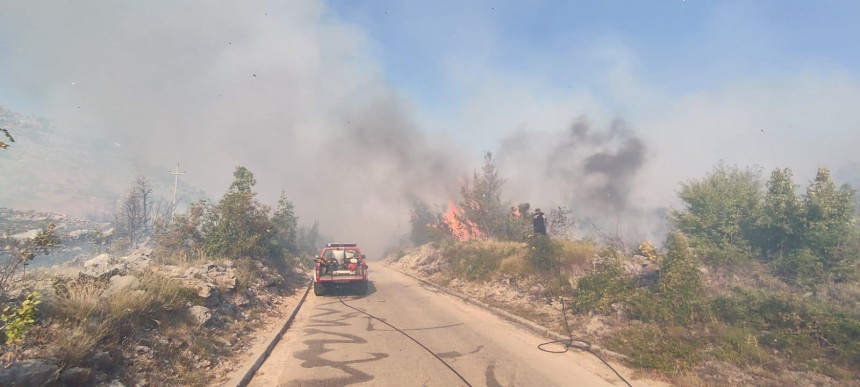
298 96
591 170
282 89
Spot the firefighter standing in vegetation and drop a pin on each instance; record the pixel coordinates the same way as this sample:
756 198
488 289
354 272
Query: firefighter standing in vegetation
539 222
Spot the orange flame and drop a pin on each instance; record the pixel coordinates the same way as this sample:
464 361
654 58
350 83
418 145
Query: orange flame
463 231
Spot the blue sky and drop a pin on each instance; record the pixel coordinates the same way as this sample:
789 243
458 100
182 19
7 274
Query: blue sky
764 83
679 46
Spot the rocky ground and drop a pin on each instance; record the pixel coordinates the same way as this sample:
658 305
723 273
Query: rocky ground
224 306
81 239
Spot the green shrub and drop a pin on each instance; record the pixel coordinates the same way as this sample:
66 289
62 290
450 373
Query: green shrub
680 288
802 330
801 267
542 254
651 346
479 260
603 286
18 320
738 345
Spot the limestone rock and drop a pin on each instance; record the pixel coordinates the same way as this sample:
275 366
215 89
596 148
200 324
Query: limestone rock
119 283
201 314
100 260
205 291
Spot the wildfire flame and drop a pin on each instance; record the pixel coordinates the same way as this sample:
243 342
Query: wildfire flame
463 231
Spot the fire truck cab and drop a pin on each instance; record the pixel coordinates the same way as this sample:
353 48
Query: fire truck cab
340 265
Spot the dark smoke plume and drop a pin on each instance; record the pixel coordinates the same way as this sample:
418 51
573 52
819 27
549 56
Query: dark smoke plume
591 170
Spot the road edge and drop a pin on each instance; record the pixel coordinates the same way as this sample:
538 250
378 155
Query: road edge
529 325
253 368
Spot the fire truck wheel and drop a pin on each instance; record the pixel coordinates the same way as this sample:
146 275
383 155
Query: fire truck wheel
362 288
319 289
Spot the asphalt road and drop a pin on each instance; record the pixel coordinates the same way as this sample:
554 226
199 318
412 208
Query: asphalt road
331 344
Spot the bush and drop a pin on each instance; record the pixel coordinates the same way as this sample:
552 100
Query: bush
239 225
18 320
542 254
800 267
650 346
478 260
679 287
575 256
738 345
516 265
647 250
802 330
183 235
603 286
88 317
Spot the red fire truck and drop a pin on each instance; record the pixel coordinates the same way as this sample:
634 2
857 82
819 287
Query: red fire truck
340 265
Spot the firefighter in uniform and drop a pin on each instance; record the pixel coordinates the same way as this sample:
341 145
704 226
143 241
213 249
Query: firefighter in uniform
539 222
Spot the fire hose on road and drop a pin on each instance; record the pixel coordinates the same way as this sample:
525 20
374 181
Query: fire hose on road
410 338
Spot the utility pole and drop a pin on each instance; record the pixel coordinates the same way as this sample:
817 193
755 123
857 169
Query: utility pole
175 182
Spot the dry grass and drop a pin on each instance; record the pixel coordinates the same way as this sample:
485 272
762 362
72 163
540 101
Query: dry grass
88 317
480 260
76 342
575 256
516 265
75 299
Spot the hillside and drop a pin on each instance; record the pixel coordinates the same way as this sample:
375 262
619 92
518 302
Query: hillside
739 341
50 168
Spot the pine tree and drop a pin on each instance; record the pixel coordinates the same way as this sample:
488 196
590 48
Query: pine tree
781 223
239 226
482 202
830 221
286 224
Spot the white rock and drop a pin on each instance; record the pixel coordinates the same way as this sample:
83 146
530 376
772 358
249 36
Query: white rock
205 291
78 234
26 235
100 260
119 283
201 314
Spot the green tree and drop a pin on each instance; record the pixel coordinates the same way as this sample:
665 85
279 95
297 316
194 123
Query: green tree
781 222
243 180
680 283
482 201
239 226
830 223
519 222
184 233
286 224
422 221
720 213
308 239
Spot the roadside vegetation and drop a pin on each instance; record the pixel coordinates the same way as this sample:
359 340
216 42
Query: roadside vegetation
173 312
756 283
